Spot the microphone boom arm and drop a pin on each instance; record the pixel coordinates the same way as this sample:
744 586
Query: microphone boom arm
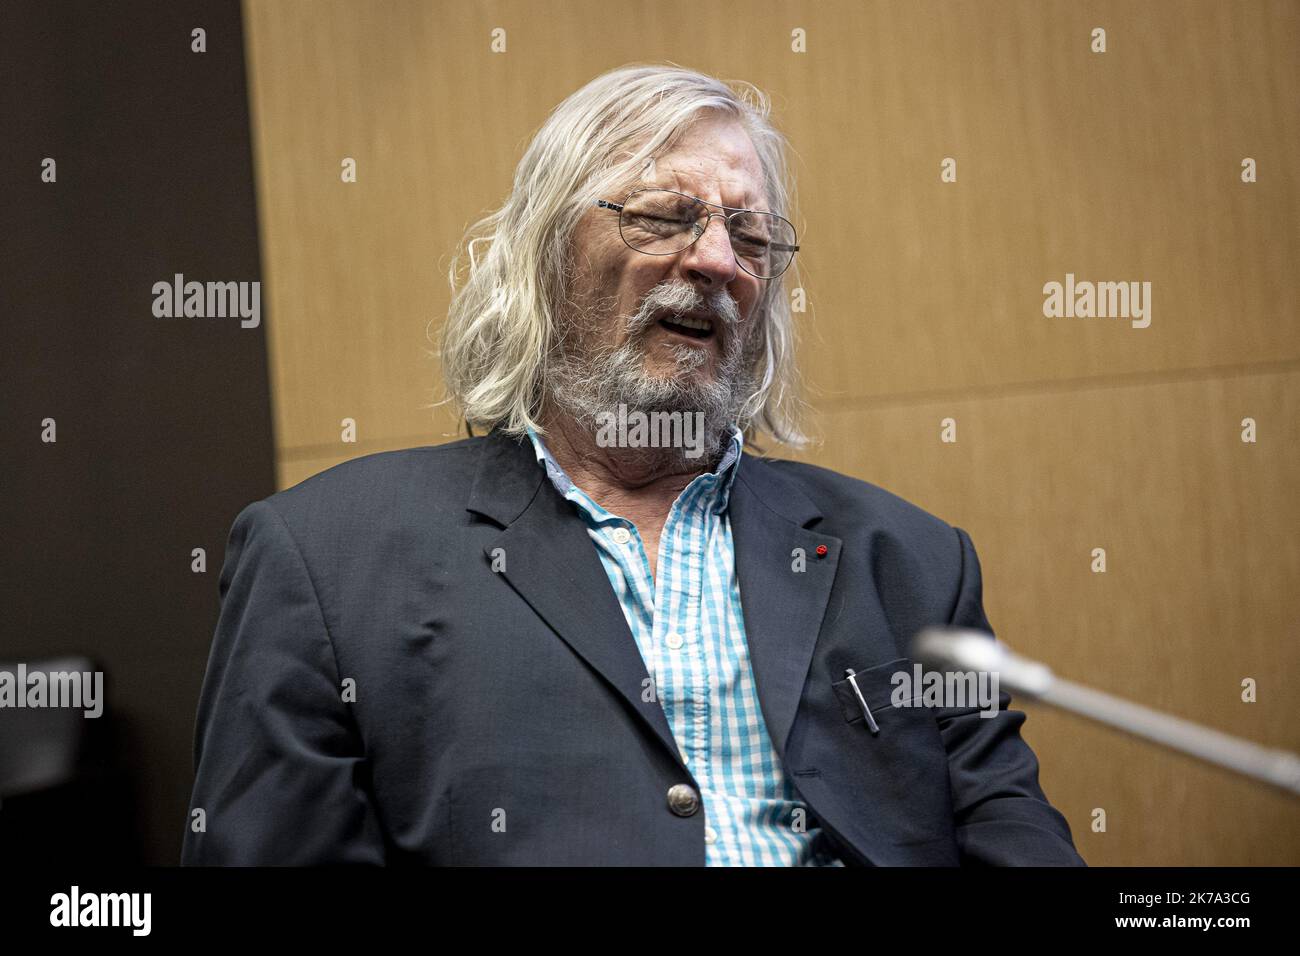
952 649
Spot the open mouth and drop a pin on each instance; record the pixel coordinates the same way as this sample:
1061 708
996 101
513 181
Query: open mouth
690 326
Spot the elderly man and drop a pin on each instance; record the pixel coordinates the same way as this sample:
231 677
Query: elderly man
605 633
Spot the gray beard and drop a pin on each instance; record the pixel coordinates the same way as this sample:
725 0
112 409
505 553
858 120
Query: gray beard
589 378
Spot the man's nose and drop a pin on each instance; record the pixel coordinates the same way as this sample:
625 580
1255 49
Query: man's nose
710 260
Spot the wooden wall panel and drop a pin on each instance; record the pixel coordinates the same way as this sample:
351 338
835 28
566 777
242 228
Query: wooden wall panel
926 300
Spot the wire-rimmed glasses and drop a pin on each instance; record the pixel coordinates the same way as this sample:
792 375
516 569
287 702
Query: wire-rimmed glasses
663 222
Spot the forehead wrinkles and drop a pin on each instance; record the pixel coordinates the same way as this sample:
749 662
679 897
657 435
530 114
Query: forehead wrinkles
700 169
719 184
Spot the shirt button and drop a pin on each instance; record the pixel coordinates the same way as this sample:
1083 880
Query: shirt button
710 835
685 757
622 535
683 800
674 640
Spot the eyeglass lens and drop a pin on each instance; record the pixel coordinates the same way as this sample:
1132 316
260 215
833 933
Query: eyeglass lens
661 222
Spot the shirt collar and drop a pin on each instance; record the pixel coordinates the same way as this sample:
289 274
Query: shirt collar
713 487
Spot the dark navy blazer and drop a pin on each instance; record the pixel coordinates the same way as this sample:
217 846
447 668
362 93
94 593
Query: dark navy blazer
377 693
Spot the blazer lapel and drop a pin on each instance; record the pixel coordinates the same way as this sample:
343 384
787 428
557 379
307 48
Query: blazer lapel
551 562
783 607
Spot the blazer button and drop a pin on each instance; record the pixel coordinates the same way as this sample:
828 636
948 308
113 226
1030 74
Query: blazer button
683 800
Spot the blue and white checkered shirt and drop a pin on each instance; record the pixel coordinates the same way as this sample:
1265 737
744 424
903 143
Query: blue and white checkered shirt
689 627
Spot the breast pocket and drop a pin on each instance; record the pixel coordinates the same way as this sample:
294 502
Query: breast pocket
878 692
899 769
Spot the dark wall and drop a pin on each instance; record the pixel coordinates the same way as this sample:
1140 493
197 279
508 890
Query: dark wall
163 425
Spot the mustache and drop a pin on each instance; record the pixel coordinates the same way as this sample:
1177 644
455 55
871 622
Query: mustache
679 297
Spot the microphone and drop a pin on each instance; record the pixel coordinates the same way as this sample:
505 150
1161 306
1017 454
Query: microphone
959 649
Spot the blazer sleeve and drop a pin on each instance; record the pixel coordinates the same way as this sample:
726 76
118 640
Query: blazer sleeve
279 764
1001 814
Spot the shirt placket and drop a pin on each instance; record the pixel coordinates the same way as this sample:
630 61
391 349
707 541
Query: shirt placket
686 532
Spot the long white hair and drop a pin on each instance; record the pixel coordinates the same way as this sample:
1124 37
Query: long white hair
500 333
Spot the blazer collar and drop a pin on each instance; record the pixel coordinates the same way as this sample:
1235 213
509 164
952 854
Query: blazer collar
509 477
550 561
785 585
